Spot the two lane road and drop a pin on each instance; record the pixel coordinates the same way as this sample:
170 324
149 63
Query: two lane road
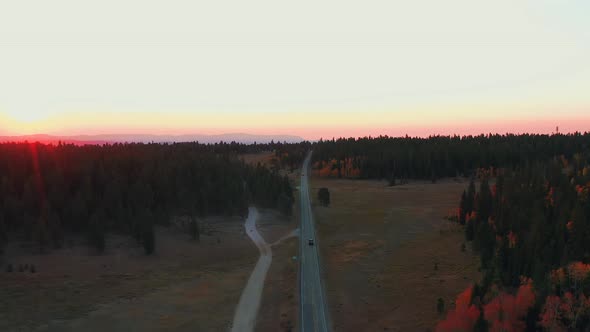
313 309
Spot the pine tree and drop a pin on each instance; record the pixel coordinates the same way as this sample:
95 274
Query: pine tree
440 305
484 201
285 204
580 234
96 232
148 236
55 228
42 234
470 229
463 208
324 196
149 239
470 201
3 235
194 230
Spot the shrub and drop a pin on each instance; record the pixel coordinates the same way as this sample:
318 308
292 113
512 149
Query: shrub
440 305
324 196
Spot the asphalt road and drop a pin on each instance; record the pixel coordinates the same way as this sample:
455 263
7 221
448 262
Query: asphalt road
313 310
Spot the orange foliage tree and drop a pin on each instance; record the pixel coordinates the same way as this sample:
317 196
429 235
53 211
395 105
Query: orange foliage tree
337 168
506 312
463 317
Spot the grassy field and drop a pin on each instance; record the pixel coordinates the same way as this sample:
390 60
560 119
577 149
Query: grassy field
185 286
263 158
389 254
279 307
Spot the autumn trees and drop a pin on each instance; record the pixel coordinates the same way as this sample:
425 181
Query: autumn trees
567 307
48 191
503 312
532 223
463 317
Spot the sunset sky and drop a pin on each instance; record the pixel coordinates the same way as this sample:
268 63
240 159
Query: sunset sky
308 68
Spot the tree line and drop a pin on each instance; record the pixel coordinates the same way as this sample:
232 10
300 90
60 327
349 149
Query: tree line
47 191
434 157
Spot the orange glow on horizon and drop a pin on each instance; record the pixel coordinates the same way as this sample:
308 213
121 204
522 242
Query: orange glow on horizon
309 125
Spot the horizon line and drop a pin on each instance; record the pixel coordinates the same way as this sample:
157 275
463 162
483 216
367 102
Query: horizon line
112 138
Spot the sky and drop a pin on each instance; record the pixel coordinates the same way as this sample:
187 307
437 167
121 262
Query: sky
308 68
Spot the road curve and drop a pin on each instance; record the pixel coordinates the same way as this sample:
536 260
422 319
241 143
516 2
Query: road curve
313 309
247 310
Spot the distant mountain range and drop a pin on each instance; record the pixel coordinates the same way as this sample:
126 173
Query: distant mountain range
104 139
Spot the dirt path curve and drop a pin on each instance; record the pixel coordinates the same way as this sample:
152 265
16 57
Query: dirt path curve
247 310
293 233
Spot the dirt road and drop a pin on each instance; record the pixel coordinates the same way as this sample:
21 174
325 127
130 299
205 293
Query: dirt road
247 310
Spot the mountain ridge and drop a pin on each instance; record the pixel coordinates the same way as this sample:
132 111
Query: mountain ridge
148 138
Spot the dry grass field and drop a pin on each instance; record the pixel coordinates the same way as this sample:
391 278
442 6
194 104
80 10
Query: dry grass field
279 308
389 254
280 299
185 286
264 158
